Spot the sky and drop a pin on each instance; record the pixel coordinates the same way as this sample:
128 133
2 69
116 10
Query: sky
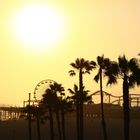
86 29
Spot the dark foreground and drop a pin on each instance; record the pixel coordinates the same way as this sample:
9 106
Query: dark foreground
18 130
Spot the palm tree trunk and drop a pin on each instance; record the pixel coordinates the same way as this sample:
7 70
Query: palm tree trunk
58 124
81 135
30 128
38 125
51 123
126 108
63 123
77 119
102 107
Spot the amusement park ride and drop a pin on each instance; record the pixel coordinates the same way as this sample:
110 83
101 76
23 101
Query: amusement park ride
15 112
39 90
109 99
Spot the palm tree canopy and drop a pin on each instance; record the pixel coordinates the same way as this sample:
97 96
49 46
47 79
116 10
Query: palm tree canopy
108 67
128 66
76 96
103 62
51 97
131 69
82 64
57 88
124 67
75 93
112 73
123 64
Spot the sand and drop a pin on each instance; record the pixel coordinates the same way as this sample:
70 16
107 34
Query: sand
18 129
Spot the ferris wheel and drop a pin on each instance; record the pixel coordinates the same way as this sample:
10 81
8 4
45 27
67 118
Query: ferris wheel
41 87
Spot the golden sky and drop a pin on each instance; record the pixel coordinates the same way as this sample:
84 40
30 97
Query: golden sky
88 29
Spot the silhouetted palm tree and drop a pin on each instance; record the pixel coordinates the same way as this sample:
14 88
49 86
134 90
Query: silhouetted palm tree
75 99
62 109
83 66
58 91
51 100
28 110
36 113
65 106
47 102
102 65
75 95
129 72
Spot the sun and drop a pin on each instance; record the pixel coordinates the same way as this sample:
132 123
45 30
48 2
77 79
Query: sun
38 26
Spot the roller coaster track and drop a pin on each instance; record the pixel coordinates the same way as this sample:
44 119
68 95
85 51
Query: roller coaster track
134 98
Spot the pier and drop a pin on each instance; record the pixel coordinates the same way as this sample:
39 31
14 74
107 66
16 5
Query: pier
111 102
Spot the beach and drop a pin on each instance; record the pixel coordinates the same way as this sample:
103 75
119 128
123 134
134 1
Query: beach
18 129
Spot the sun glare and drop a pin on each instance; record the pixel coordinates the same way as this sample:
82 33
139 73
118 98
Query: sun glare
38 26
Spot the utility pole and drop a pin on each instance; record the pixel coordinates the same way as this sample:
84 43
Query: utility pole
29 117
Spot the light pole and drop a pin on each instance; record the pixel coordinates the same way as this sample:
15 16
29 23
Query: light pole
29 121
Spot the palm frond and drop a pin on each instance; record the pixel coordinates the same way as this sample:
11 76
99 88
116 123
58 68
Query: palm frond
133 65
134 78
96 78
123 64
106 63
132 81
71 91
72 73
113 69
93 64
74 65
75 89
100 60
78 62
111 80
